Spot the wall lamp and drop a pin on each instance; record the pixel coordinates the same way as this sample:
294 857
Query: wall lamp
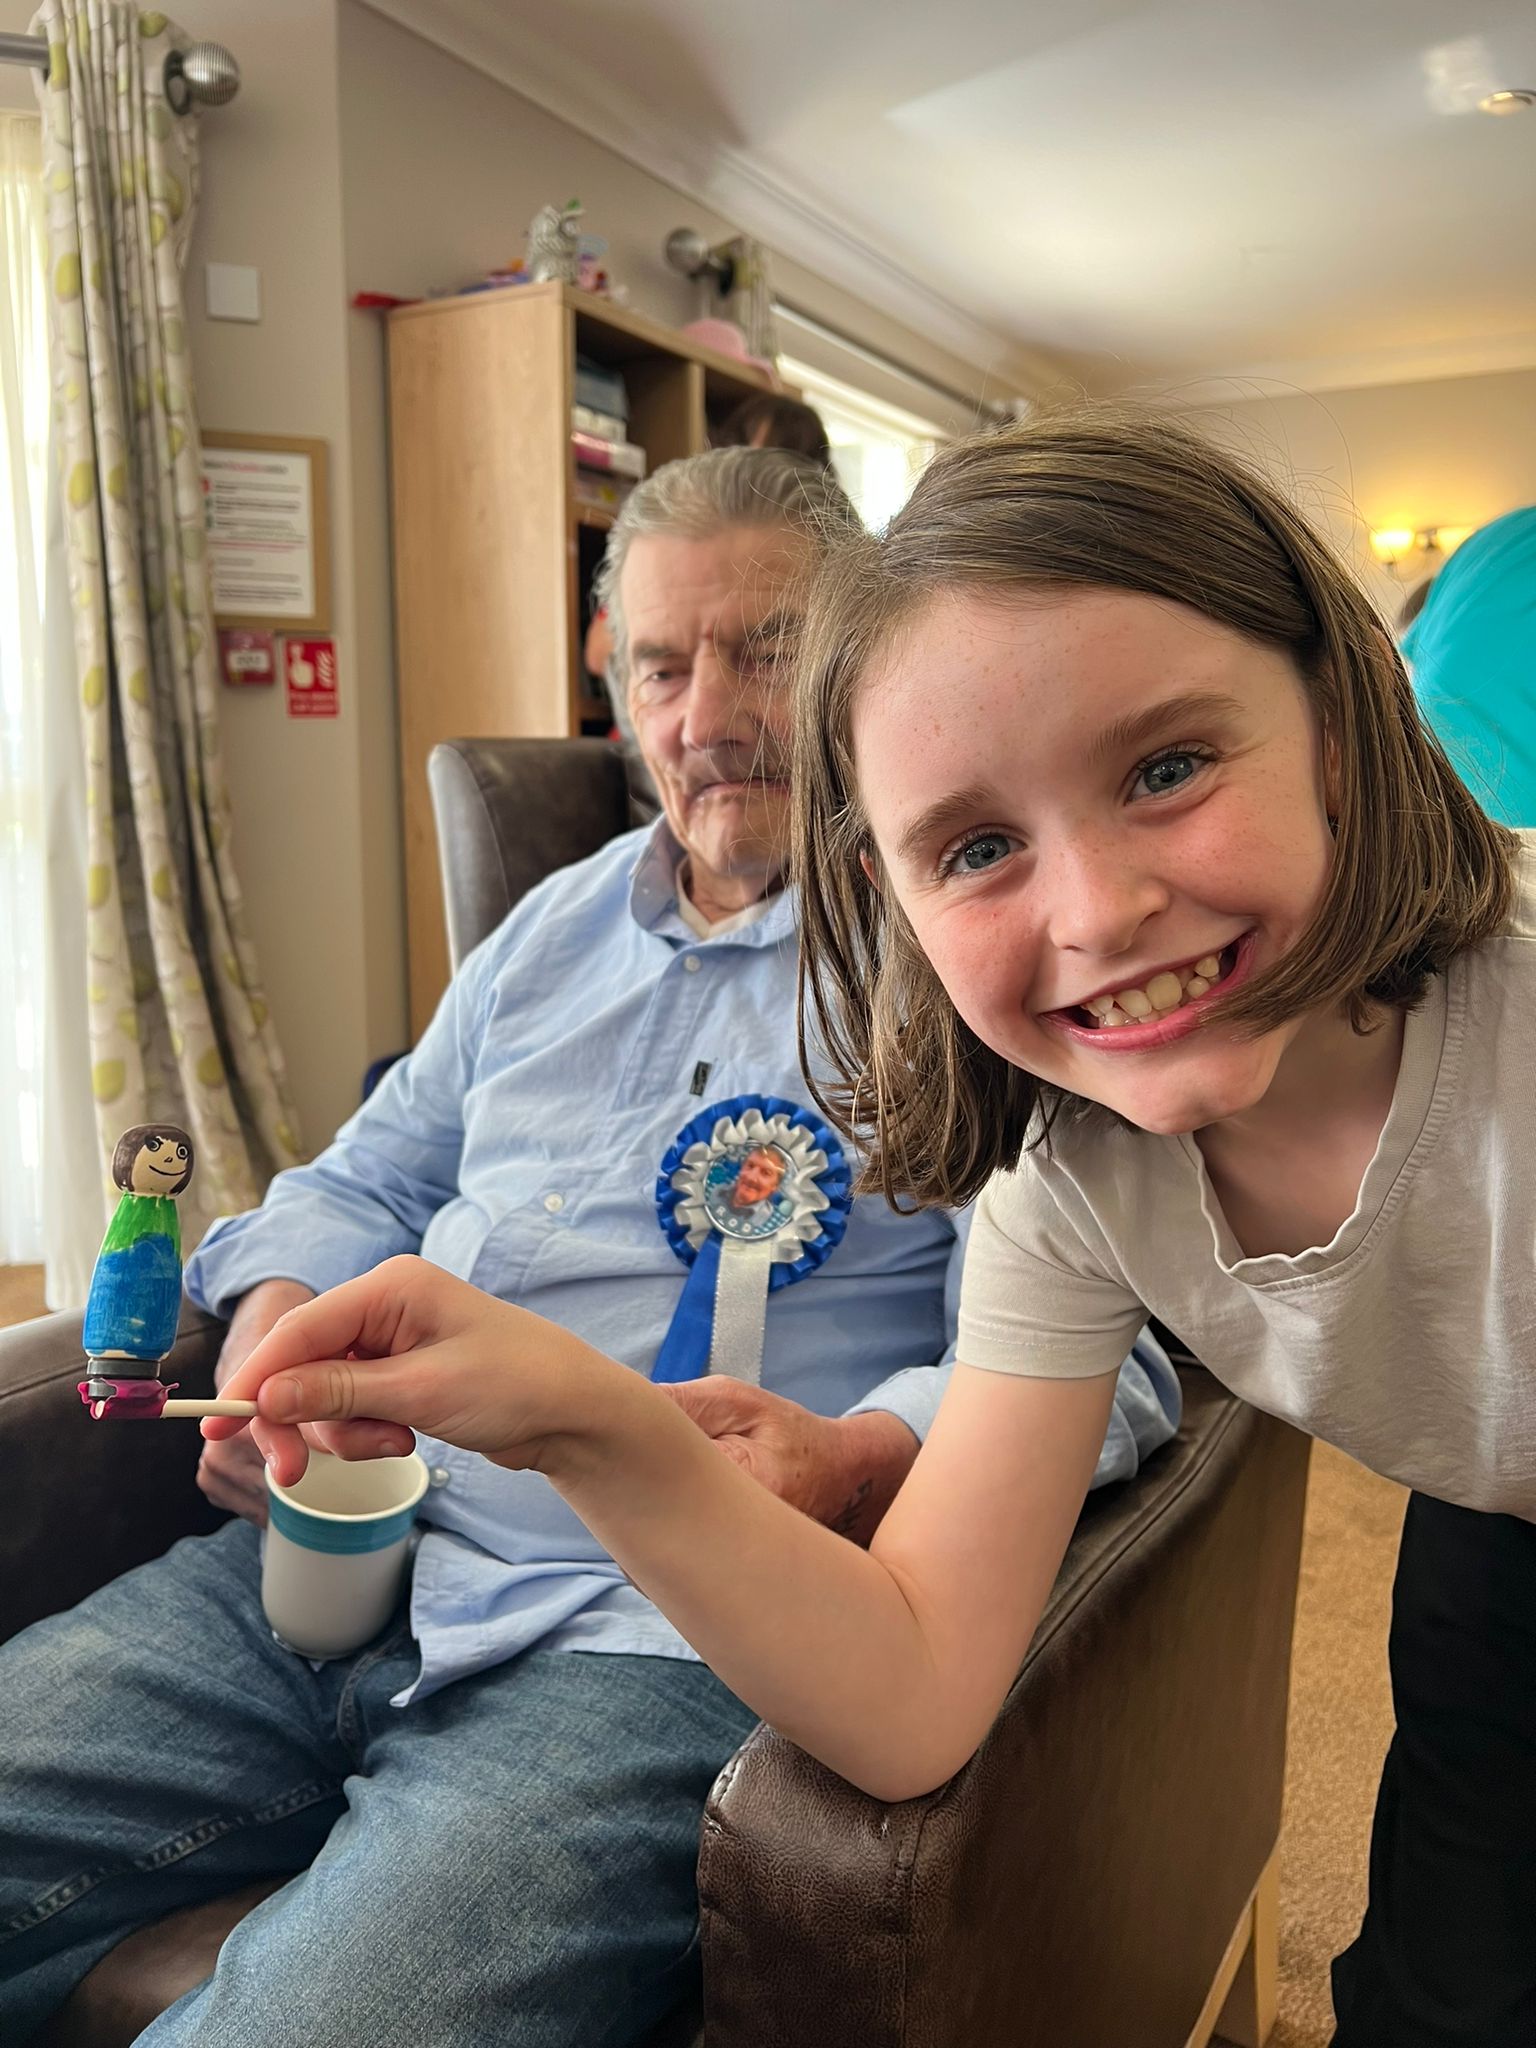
1429 545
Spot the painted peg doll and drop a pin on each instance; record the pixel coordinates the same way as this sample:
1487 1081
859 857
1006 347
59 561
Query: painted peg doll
135 1297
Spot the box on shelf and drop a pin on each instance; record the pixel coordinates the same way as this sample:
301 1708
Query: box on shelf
599 388
624 458
601 489
608 426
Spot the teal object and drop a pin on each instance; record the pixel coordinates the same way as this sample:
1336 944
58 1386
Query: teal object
135 1295
1472 655
339 1538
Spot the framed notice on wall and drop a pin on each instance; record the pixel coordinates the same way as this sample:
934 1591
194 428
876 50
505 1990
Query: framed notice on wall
266 506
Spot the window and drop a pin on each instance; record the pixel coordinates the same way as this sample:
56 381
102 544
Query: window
878 450
24 425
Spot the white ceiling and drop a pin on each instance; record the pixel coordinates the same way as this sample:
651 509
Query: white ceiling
1296 189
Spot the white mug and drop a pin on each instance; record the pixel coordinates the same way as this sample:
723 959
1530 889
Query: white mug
335 1551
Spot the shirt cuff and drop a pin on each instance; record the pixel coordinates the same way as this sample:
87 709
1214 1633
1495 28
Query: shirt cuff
238 1252
913 1396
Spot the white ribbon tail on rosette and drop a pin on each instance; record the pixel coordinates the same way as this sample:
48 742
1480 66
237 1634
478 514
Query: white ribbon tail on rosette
741 1309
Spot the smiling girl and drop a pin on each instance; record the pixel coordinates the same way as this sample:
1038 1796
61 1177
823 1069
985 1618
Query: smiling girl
1137 901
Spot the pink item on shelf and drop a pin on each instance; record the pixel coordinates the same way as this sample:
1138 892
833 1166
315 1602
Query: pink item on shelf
592 451
727 339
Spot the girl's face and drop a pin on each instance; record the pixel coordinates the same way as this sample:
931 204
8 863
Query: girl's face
1100 812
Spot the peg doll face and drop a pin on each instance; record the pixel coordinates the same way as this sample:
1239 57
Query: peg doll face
153 1159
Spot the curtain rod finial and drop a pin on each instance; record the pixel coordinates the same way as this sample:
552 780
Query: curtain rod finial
204 73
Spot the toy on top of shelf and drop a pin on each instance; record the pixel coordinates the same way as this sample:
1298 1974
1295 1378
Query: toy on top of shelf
554 244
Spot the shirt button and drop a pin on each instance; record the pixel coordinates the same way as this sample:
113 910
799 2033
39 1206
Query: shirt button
439 1475
691 962
554 1204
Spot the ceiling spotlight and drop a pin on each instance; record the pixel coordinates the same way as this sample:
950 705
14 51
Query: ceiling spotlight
1514 100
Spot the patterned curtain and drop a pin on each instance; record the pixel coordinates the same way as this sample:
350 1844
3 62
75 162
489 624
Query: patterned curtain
179 1027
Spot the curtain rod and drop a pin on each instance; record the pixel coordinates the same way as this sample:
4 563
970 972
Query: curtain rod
990 408
24 50
204 73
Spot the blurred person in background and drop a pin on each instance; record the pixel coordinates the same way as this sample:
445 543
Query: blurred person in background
1472 655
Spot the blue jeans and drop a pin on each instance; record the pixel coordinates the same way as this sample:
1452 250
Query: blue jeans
510 1861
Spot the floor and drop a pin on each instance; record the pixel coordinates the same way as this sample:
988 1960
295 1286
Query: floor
21 1294
1340 1723
1340 1720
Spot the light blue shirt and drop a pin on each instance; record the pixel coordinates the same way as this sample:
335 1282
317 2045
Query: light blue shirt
518 1147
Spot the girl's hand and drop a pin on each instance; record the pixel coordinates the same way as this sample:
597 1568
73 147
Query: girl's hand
408 1346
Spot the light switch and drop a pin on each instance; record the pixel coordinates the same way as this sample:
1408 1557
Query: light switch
233 291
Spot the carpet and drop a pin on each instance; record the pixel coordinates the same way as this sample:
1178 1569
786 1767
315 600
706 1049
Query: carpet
1340 1724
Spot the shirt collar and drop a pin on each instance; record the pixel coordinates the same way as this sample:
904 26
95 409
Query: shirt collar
653 899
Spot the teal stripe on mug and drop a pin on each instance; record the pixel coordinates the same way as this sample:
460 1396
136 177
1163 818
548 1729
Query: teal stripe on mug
340 1539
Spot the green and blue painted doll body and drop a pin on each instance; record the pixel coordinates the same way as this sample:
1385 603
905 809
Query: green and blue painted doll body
135 1295
135 1298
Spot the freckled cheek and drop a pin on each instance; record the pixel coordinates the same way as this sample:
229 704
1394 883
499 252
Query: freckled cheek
983 964
1251 859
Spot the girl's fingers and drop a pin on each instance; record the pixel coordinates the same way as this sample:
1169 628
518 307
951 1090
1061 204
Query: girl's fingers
376 1392
366 1439
371 1315
284 1449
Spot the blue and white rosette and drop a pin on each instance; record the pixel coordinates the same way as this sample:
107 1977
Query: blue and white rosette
753 1195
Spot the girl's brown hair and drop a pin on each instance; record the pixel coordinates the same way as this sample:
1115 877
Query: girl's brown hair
1109 499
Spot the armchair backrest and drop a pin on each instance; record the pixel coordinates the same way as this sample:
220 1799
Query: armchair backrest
509 812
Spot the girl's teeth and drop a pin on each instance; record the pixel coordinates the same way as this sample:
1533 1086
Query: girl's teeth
1164 992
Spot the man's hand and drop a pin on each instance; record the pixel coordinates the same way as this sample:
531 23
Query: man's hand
232 1473
841 1470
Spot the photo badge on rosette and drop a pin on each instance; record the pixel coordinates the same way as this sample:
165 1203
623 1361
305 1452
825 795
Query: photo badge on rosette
753 1195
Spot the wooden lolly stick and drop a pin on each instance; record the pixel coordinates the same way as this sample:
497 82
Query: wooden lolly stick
209 1408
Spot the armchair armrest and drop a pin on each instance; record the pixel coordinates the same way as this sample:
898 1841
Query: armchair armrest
81 1501
1079 1881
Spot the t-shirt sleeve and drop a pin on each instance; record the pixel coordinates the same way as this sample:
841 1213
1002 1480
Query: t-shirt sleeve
1036 1298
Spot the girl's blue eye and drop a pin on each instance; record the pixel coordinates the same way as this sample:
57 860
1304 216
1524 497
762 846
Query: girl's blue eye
979 854
1168 771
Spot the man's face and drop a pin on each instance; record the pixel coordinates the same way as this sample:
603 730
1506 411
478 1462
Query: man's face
709 625
757 1178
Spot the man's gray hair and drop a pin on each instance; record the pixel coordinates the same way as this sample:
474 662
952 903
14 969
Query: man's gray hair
702 495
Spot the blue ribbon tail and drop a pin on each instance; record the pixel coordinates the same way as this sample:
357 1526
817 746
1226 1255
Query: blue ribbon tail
684 1353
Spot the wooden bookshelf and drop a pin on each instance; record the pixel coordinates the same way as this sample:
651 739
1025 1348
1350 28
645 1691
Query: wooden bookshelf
493 553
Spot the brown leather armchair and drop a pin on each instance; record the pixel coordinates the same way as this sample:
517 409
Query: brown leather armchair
1100 1872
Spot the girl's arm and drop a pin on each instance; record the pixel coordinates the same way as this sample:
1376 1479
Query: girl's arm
889 1665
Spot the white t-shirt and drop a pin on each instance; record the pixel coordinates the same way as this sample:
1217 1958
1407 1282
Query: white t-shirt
1409 1340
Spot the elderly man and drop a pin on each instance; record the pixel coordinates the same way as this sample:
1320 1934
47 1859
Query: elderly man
490 1814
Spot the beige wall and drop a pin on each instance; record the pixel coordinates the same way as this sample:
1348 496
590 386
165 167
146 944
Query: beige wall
323 920
1456 451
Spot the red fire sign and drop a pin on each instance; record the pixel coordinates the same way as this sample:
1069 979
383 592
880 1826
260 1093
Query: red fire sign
310 666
